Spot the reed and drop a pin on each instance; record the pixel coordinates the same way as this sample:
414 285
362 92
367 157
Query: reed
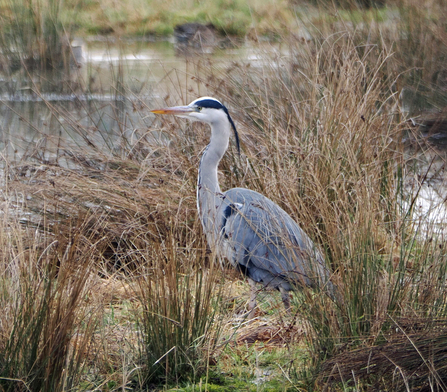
34 36
46 326
180 294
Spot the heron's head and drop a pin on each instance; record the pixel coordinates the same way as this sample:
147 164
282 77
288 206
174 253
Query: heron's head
205 109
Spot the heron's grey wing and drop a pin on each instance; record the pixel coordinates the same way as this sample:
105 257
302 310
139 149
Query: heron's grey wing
266 243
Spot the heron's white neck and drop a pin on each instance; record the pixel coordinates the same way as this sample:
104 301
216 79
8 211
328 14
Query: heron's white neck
208 189
220 135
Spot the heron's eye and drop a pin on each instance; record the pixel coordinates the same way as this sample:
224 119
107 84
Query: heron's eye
199 108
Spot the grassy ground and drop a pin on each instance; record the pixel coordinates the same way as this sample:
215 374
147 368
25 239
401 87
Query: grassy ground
142 18
151 18
105 278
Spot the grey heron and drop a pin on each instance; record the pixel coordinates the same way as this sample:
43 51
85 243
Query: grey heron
256 235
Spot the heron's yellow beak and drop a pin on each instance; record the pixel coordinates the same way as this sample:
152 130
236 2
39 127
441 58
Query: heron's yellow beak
176 110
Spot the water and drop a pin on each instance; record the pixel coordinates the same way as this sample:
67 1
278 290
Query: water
427 192
105 100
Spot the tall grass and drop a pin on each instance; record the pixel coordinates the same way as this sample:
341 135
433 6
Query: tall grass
46 326
34 36
179 318
415 36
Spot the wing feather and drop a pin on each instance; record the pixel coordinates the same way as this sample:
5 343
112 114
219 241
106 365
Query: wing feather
267 242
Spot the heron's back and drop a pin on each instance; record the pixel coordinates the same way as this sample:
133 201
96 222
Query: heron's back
261 239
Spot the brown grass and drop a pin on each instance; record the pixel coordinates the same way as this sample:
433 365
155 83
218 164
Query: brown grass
412 357
43 282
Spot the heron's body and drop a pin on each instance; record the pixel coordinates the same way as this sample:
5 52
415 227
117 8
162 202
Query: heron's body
264 242
245 227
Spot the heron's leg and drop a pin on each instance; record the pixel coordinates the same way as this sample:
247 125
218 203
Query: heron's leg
252 303
285 298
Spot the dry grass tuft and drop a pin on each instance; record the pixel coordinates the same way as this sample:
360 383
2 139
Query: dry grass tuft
411 357
43 281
